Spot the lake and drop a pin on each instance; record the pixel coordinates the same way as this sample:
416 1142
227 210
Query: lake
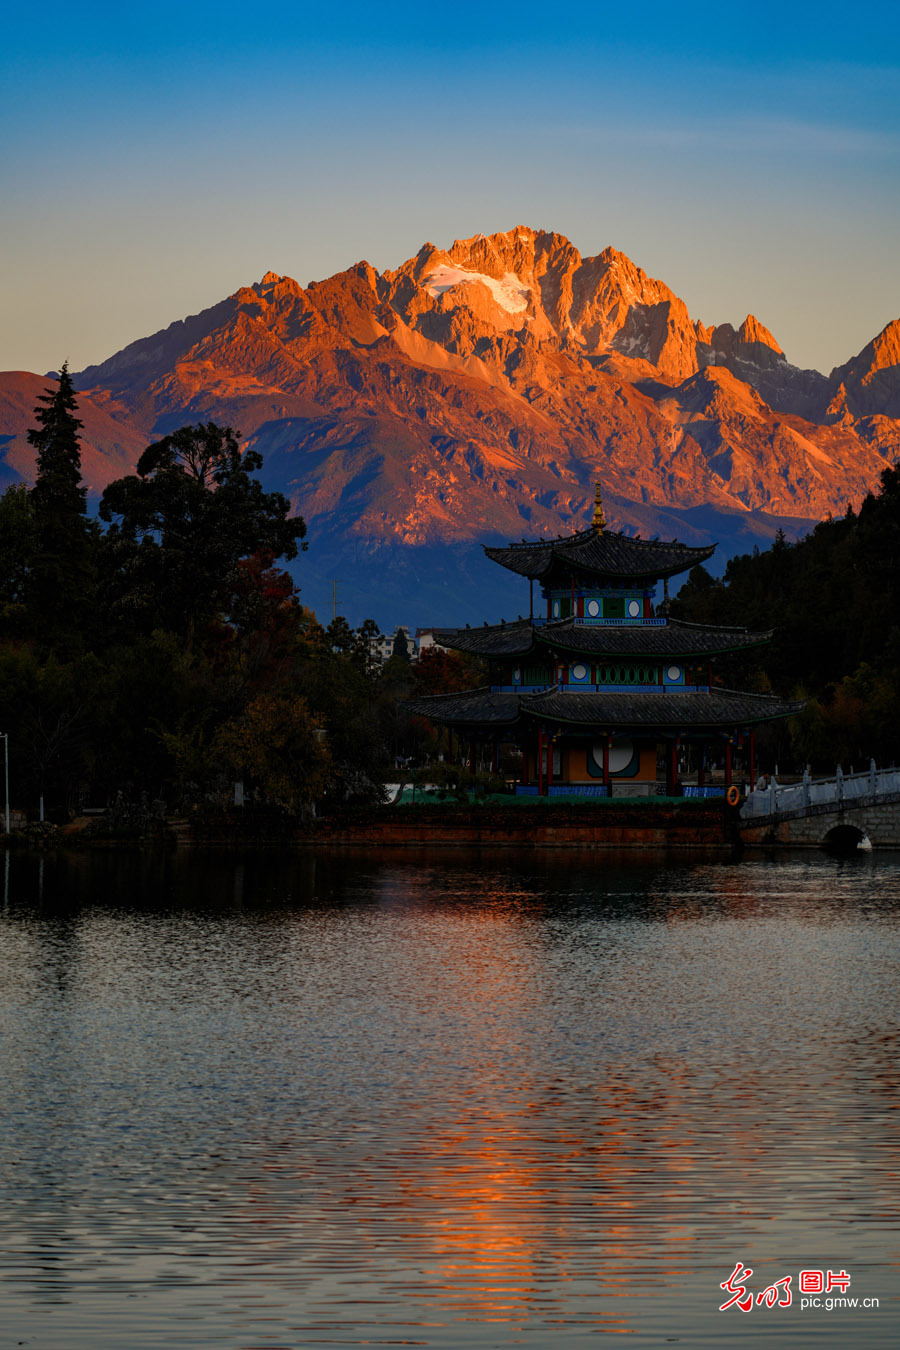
449 1099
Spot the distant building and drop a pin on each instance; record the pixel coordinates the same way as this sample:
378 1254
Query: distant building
382 646
431 639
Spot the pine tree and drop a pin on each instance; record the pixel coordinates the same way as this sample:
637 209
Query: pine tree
400 645
58 488
61 570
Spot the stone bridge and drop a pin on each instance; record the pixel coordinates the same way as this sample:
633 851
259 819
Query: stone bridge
840 812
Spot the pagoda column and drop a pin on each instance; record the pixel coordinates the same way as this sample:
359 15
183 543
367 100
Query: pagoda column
752 758
701 764
672 774
495 757
540 761
607 739
728 763
472 757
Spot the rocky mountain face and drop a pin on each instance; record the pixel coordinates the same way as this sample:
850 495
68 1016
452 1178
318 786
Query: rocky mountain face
869 386
477 393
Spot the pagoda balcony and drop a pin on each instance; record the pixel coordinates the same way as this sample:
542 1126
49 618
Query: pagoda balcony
582 688
604 623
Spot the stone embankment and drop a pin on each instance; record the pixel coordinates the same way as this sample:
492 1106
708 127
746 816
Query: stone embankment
596 825
669 824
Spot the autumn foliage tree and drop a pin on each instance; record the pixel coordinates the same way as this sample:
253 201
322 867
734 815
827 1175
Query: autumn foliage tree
275 744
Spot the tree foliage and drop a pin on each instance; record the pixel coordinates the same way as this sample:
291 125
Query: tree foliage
276 743
183 523
58 489
60 569
833 600
167 655
18 544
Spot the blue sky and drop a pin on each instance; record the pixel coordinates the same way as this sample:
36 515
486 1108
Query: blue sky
156 157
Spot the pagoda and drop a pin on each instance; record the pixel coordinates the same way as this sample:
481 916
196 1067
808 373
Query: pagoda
600 687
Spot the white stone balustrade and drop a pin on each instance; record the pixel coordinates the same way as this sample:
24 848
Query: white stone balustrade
780 800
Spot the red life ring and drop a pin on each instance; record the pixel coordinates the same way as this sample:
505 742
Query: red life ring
732 796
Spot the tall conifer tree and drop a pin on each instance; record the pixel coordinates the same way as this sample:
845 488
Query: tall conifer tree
62 566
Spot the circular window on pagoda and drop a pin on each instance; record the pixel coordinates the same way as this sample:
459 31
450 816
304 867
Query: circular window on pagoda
634 609
579 672
556 609
593 608
673 674
621 753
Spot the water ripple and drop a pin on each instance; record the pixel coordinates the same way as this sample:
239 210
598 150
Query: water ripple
444 1100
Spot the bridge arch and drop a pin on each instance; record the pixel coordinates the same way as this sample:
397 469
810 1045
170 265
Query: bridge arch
843 838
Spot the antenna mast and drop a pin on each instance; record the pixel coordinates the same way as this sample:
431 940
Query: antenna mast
335 582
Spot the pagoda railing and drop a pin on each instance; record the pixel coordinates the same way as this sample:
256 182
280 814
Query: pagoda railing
621 623
574 687
605 623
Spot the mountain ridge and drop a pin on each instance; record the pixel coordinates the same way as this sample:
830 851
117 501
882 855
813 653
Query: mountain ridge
478 392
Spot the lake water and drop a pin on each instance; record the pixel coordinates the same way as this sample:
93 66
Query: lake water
446 1099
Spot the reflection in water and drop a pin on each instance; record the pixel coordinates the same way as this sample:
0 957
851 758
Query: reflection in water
444 1099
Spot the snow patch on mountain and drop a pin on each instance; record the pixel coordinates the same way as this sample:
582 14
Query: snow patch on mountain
510 292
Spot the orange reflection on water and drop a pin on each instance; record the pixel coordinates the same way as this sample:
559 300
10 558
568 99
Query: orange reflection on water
510 1191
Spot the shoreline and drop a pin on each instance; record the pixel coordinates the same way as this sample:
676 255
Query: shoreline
635 824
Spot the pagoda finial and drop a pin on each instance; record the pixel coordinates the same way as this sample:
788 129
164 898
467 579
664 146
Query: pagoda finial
599 517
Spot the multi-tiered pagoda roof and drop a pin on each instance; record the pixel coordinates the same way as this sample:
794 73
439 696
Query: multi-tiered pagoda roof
603 662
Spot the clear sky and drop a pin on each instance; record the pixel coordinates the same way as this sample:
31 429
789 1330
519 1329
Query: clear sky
155 157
